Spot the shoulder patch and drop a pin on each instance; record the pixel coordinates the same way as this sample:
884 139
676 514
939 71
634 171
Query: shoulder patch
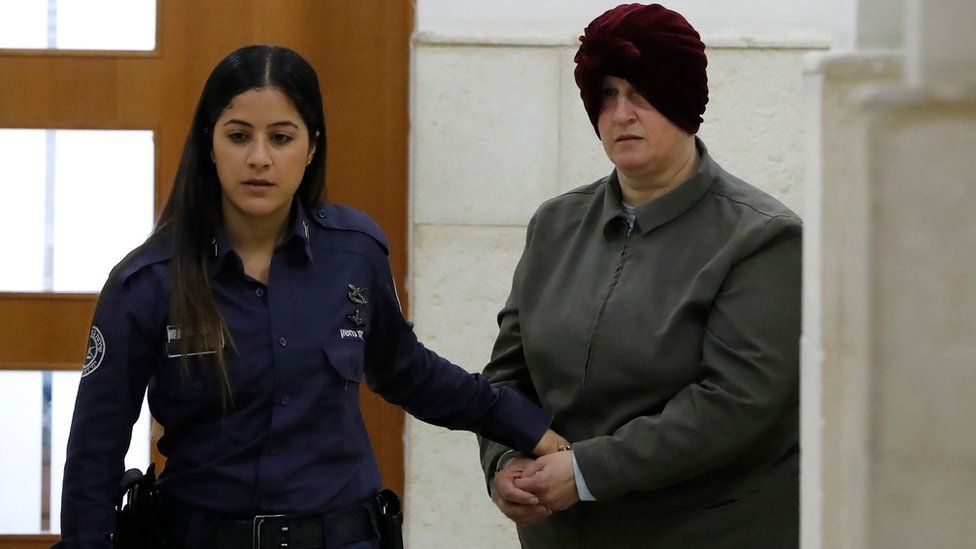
345 218
96 351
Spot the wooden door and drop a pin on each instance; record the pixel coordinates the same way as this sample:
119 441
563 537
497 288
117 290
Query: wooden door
360 51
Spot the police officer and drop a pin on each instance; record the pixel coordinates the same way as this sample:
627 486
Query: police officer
252 313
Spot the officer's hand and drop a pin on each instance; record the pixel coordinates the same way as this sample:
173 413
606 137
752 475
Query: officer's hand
550 443
552 480
520 506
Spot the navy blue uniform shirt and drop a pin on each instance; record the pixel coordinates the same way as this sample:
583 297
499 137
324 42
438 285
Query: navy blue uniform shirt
293 441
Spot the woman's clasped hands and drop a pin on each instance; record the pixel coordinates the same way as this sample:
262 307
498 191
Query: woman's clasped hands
528 489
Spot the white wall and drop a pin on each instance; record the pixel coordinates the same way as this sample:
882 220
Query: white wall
497 127
752 18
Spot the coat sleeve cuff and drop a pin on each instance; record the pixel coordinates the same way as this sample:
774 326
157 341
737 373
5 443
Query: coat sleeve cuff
581 488
515 421
594 460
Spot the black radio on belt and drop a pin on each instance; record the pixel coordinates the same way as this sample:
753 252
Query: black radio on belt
135 524
390 515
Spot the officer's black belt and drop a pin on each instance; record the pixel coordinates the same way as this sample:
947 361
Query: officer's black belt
275 531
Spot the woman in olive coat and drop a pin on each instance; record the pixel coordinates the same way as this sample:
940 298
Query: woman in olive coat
656 313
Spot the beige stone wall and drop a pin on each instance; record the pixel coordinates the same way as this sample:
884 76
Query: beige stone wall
497 127
923 450
836 346
889 348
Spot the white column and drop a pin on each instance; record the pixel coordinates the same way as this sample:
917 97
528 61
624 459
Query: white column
940 40
868 24
836 353
835 385
889 350
923 335
923 176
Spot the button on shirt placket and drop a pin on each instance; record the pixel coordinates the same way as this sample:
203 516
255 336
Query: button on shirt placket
280 312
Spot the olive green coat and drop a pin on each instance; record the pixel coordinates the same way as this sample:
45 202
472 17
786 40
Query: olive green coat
669 357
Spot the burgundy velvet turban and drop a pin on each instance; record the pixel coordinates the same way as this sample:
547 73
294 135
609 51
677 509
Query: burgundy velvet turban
653 48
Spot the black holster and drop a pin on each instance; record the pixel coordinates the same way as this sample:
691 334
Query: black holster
389 515
135 519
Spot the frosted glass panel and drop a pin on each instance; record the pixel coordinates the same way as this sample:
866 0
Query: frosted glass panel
63 393
75 203
21 452
103 203
64 389
22 212
106 24
78 24
23 24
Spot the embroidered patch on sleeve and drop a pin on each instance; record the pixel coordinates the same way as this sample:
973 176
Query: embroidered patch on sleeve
96 351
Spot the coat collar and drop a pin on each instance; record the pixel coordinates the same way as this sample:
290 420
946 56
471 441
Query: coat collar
666 207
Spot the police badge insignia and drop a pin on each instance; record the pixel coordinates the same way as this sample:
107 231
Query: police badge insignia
96 351
357 295
356 318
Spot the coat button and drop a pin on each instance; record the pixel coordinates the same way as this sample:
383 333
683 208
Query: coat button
282 341
320 213
285 400
259 292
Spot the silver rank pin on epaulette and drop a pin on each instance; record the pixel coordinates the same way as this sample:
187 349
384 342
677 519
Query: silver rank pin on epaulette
357 295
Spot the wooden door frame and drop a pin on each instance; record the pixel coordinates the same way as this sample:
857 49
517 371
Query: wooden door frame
361 52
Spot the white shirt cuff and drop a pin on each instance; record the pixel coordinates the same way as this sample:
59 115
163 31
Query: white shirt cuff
584 492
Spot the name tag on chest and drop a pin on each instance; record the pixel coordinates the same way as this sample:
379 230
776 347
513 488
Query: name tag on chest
174 344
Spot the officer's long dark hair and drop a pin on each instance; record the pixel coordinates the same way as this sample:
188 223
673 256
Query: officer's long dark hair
193 209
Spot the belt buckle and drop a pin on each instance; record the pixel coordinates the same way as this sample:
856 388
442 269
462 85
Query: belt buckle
258 523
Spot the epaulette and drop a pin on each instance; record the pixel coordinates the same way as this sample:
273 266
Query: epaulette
344 218
143 256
